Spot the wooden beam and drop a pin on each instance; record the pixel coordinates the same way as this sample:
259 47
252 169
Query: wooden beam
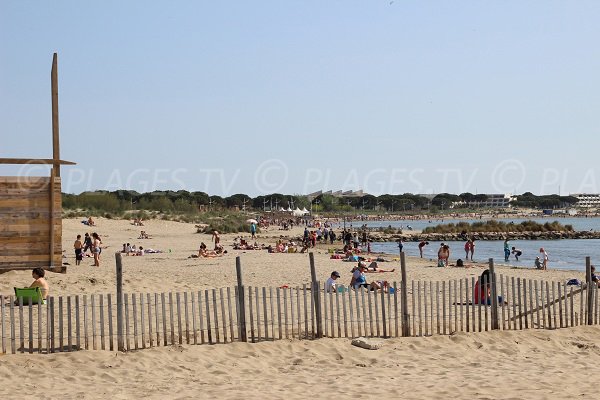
55 128
51 219
48 161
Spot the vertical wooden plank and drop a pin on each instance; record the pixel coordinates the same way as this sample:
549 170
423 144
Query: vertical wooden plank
194 326
419 308
395 311
52 326
359 327
559 304
581 300
326 297
337 307
371 330
537 304
345 315
377 313
469 306
39 314
102 345
292 321
525 311
298 312
156 318
431 306
425 304
543 309
172 317
383 316
223 318
251 304
503 305
77 324
312 310
364 309
30 326
514 301
280 330
460 300
187 316
437 306
216 314
414 312
179 326
69 325
443 307
61 332
596 301
93 307
200 319
519 305
142 321
127 332
265 313
554 304
531 302
548 301
479 303
456 299
351 311
571 304
2 323
258 324
110 322
473 308
135 324
305 313
13 342
231 328
164 318
285 313
207 304
21 329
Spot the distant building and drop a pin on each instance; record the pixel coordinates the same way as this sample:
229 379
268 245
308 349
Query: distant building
338 194
587 200
493 200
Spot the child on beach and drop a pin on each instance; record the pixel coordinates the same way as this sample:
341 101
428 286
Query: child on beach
544 258
78 250
517 253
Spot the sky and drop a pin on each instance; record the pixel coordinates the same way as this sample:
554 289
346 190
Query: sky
293 97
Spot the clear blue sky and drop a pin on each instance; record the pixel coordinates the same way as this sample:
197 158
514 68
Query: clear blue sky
297 96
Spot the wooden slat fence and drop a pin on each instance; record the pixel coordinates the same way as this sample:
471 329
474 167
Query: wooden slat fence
69 323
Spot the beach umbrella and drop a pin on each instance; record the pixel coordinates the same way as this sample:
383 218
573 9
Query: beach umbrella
252 221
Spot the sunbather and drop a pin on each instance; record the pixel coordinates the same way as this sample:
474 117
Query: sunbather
39 281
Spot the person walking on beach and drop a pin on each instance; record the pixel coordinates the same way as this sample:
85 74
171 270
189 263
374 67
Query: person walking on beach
544 257
506 249
421 246
517 253
78 250
96 249
253 230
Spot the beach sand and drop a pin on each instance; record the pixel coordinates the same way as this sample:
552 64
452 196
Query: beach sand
521 364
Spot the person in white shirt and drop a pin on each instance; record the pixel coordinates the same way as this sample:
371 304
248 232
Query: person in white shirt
330 285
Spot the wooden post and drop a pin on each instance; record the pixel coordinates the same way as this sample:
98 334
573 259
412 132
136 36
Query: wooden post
404 297
52 200
316 295
494 287
241 300
120 341
590 293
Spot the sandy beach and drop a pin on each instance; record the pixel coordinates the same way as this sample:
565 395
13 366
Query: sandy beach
507 364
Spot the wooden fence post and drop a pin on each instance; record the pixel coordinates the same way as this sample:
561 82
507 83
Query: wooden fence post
404 298
316 295
241 300
494 291
120 337
590 293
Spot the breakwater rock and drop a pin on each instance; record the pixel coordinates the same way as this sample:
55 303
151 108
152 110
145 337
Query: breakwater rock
449 237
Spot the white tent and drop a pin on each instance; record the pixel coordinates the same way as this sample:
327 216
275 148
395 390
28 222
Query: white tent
305 211
289 209
297 212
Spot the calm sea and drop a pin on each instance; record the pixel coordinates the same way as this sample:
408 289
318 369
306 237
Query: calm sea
563 254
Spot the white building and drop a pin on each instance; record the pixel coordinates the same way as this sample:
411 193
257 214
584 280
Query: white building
493 200
587 200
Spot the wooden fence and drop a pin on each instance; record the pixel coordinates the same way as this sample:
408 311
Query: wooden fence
68 323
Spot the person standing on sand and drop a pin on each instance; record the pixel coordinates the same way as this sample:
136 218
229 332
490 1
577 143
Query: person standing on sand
87 242
78 250
506 249
421 246
96 249
544 257
253 230
216 238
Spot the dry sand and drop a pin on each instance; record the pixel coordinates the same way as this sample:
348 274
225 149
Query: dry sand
527 364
